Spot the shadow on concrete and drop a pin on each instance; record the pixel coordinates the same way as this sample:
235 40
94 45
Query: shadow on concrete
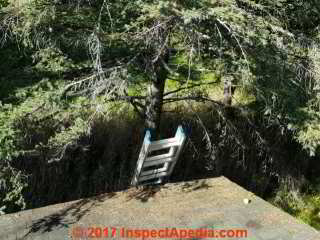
69 215
195 186
145 193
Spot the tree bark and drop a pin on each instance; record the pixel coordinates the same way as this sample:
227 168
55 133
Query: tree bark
154 100
228 91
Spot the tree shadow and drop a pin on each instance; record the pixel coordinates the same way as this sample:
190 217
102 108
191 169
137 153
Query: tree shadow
144 193
195 185
68 215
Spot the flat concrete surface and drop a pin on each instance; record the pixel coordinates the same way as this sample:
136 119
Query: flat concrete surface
214 204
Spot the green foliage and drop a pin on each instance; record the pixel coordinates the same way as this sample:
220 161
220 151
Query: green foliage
38 123
52 60
308 133
304 206
12 181
4 3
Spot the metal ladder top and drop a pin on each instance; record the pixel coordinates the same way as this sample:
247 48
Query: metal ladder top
152 168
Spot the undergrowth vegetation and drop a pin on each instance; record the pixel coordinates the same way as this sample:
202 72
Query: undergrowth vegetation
305 206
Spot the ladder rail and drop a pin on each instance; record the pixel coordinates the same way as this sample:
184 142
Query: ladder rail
165 161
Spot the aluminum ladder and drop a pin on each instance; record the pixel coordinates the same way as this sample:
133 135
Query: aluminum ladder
158 158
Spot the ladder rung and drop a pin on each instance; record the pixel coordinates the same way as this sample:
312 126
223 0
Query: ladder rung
169 154
168 140
157 175
153 171
154 147
157 162
155 182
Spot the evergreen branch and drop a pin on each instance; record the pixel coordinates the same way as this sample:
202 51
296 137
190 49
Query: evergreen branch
194 98
189 87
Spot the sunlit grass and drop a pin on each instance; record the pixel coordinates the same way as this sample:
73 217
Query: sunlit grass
310 214
305 208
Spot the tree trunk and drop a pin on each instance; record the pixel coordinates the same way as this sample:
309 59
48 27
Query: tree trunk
227 93
155 98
